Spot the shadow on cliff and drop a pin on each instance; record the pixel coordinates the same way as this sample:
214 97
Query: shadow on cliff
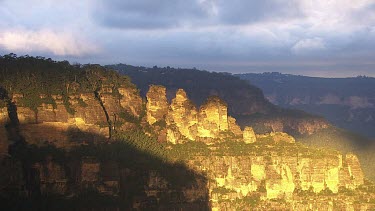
12 126
110 175
95 173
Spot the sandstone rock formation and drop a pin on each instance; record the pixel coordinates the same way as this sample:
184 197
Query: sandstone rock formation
52 177
353 170
57 119
274 174
212 118
212 163
131 101
278 137
277 176
182 119
184 123
234 128
301 126
157 105
249 135
209 124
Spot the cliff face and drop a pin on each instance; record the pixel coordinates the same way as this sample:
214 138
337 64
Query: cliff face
211 124
346 102
182 119
131 101
277 176
3 137
236 163
302 126
249 135
288 175
82 113
245 102
157 105
212 118
185 123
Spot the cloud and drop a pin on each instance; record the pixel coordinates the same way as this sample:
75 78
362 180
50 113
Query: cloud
337 16
308 45
59 44
236 12
161 14
296 36
144 14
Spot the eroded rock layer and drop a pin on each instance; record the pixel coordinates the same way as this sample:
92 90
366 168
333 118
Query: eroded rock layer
182 119
270 166
157 105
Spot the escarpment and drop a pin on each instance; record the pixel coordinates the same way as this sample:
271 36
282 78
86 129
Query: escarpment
96 135
184 122
81 113
272 161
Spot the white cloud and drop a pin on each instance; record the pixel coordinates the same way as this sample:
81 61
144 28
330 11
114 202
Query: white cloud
336 15
308 45
59 44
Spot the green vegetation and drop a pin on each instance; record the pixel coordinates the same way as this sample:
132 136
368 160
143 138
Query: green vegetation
251 200
3 104
309 192
346 191
345 142
141 142
222 190
262 187
32 77
67 105
82 103
187 150
326 192
161 123
199 85
306 93
127 116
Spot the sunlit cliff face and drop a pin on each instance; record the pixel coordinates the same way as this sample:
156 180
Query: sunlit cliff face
237 164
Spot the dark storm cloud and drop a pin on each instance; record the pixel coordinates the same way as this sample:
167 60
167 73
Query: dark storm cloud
146 14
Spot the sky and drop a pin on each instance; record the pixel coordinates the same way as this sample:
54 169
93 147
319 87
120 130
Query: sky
328 38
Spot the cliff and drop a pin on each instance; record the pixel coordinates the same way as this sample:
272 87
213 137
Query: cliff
279 176
182 119
259 175
346 102
3 137
94 134
157 105
245 102
212 118
78 115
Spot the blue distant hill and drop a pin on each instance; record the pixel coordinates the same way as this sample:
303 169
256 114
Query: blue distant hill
346 102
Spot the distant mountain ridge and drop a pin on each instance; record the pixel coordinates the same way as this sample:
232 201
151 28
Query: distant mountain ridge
199 84
245 102
346 102
310 129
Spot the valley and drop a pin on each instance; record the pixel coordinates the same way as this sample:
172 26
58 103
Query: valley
97 142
